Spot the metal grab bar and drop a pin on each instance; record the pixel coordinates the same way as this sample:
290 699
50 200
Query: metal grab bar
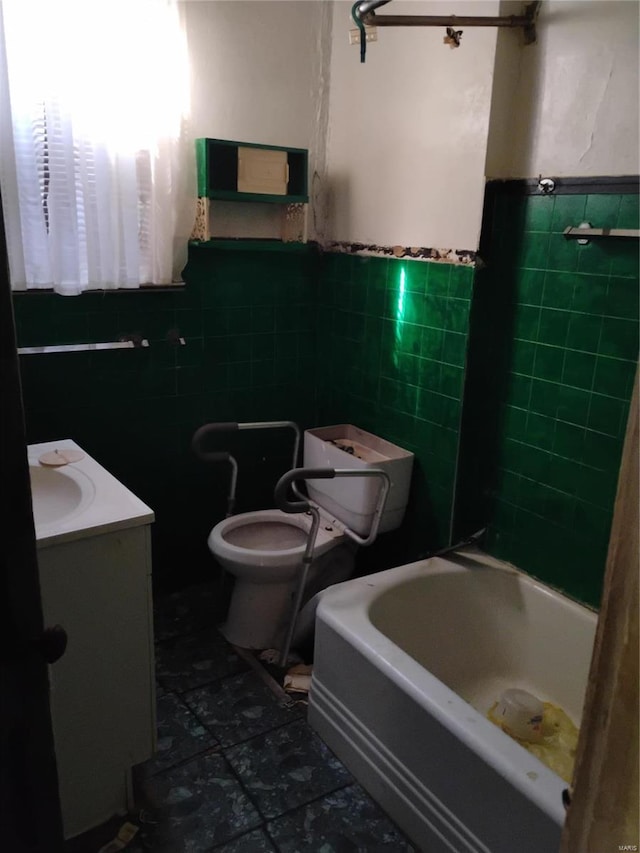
303 505
199 436
283 503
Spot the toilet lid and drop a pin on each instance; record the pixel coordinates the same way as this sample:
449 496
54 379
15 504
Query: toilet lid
266 536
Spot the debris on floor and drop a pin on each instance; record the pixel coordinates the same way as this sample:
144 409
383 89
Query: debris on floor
122 839
298 678
273 656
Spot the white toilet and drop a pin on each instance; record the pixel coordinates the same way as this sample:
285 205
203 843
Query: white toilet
264 550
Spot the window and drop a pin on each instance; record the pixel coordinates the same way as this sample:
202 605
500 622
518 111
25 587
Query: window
96 171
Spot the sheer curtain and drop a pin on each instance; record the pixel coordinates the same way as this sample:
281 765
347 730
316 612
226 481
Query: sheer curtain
96 171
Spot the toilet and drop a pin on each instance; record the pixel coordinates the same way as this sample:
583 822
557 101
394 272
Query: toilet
264 550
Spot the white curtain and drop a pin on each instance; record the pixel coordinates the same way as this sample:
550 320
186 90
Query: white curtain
97 172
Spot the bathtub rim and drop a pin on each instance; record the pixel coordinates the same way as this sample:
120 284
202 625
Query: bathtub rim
500 751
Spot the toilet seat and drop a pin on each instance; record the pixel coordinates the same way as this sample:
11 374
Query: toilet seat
270 539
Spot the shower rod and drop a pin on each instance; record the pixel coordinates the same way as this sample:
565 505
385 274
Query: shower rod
363 13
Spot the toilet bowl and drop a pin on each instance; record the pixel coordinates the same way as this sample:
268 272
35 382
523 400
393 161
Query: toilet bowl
264 552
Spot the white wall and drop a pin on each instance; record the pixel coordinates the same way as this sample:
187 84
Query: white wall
568 105
401 145
408 130
259 72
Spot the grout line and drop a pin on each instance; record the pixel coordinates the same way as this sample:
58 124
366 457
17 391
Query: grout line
317 799
215 749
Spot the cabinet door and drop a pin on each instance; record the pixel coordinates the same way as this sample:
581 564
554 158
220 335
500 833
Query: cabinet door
261 170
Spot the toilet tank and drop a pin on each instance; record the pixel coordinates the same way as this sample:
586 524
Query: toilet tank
352 500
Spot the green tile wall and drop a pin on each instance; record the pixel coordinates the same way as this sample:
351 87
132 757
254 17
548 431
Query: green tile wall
392 347
552 360
382 343
248 322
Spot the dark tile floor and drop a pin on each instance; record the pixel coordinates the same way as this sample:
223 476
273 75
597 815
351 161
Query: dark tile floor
238 770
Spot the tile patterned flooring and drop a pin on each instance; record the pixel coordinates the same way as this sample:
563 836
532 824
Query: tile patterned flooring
238 770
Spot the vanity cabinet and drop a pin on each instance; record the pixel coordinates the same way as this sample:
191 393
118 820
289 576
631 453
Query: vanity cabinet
251 174
94 565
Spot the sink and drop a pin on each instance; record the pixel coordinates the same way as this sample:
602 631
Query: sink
80 499
58 494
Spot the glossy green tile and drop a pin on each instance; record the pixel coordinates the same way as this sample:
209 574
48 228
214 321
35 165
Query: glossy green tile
429 406
584 322
563 254
534 251
553 327
625 260
607 415
584 332
239 375
602 451
451 381
518 391
508 485
548 362
376 299
573 405
568 440
590 294
539 430
622 298
539 213
409 338
596 486
522 357
568 212
262 318
602 210
450 413
561 474
619 338
629 212
525 322
514 421
377 272
432 343
454 348
438 279
590 517
262 373
558 290
595 258
578 369
457 315
429 374
461 281
534 463
614 377
544 397
529 286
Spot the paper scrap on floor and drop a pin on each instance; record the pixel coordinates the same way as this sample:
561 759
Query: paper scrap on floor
298 678
122 839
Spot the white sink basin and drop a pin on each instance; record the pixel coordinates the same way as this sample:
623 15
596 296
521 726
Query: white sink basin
79 499
58 494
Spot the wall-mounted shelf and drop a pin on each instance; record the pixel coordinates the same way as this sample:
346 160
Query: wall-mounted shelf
248 171
256 175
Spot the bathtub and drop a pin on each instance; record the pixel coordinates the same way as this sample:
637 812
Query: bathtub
407 662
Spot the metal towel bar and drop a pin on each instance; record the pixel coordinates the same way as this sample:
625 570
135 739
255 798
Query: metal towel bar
578 233
83 347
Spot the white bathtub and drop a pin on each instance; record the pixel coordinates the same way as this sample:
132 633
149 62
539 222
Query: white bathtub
407 662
